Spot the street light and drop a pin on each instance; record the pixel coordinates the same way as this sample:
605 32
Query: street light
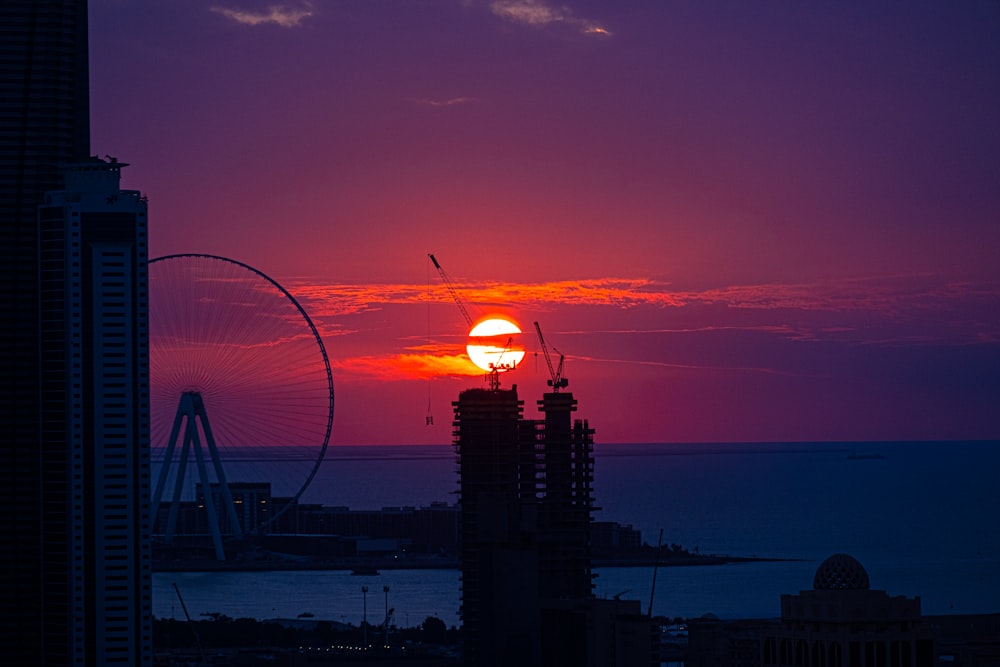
385 589
364 618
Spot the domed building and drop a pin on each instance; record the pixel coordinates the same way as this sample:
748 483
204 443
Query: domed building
841 622
841 572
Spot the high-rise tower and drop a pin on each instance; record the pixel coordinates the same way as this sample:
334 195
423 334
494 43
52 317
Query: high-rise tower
44 122
497 485
72 362
94 353
526 496
567 502
526 502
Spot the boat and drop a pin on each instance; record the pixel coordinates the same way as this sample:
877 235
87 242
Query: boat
365 570
854 456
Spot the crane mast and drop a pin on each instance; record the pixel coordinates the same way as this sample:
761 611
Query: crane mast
446 279
495 367
557 381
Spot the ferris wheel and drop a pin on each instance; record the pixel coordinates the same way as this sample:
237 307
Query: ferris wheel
241 394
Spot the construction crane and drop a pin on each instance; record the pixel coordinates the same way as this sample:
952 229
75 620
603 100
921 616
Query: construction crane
557 380
497 366
451 290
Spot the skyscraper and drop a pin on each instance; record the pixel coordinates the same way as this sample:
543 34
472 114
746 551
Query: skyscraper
526 497
44 121
497 492
72 360
525 488
95 400
567 502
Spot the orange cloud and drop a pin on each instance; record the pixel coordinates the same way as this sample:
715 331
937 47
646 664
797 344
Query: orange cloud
900 299
406 366
351 299
882 294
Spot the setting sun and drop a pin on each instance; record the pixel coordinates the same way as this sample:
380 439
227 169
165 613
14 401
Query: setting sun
494 345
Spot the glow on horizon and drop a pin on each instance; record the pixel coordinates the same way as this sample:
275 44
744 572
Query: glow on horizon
787 232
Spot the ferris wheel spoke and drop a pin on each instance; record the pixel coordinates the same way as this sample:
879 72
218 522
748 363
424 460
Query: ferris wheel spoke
233 336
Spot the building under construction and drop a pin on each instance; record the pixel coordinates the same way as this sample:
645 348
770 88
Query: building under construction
498 489
526 496
565 456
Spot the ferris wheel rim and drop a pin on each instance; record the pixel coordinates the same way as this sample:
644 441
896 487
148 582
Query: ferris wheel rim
319 342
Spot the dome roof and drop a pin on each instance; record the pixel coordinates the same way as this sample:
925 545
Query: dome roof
841 572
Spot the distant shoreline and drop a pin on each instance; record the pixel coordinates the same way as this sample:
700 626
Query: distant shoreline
427 563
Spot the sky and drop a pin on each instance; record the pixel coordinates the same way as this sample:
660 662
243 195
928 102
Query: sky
738 221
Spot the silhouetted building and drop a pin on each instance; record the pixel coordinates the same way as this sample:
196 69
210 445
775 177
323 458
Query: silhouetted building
252 504
714 642
967 640
497 485
566 503
429 534
44 125
526 498
841 622
594 632
94 359
430 530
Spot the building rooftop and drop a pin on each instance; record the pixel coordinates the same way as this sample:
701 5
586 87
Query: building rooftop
841 572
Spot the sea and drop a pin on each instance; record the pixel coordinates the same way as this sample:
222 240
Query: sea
921 517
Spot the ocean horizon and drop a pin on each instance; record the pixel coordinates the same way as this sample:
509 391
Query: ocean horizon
916 514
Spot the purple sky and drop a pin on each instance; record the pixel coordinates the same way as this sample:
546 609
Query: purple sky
739 221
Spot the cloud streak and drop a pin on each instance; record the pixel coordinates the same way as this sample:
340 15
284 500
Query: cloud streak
687 367
890 296
284 16
449 102
900 311
540 13
405 366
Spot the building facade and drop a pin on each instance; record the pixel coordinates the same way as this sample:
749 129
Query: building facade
94 360
498 527
44 123
565 455
841 622
526 504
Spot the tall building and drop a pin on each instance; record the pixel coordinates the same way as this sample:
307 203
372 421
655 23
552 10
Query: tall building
566 466
843 622
526 503
44 122
498 525
95 400
840 622
74 589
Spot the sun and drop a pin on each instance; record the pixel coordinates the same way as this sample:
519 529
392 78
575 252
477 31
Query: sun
494 344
